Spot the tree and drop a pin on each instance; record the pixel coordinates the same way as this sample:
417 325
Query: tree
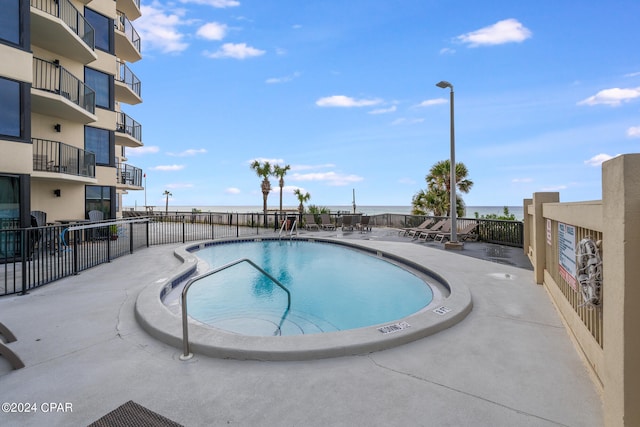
167 193
302 198
279 172
437 197
263 170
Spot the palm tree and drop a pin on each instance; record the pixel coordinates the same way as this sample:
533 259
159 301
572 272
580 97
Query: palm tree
437 197
263 170
302 198
280 172
167 193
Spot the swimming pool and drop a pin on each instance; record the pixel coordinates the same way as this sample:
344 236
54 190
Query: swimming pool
158 310
332 288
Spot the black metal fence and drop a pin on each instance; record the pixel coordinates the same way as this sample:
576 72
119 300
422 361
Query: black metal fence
32 257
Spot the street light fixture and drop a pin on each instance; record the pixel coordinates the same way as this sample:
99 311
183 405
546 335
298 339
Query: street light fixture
453 242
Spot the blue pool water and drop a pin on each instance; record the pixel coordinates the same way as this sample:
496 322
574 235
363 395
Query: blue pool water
332 288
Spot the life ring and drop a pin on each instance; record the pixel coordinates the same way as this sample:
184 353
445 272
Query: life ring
589 272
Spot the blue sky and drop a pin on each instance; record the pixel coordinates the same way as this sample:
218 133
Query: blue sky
344 92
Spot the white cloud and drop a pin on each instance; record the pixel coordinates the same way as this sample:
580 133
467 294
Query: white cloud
167 168
430 102
236 51
505 31
159 29
331 178
264 159
221 4
614 96
189 152
296 26
284 79
405 121
346 101
212 31
179 186
554 188
232 190
447 51
633 74
633 132
384 110
523 180
598 159
140 151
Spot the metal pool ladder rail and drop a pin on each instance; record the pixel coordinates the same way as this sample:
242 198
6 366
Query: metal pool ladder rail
294 227
185 325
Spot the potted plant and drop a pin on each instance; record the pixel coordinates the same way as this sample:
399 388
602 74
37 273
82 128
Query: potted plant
113 232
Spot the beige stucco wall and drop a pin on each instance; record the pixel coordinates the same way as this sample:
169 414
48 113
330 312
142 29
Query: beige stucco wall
15 157
16 64
70 204
621 299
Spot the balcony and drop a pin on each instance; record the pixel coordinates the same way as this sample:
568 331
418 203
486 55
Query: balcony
128 131
129 177
53 159
127 39
131 8
128 86
56 25
56 92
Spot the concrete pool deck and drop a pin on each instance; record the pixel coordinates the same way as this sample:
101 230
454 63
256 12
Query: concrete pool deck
510 362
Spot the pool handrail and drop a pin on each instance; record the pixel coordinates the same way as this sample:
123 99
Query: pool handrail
185 324
293 228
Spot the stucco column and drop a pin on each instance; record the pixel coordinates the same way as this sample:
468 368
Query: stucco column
621 290
539 238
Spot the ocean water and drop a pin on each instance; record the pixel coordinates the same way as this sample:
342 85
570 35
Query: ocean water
366 210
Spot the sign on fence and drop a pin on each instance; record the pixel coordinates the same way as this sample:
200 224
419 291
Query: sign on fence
567 253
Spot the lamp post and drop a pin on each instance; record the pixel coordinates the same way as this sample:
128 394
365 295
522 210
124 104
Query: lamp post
453 242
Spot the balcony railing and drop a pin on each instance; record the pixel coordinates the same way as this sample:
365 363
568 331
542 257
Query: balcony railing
54 78
129 175
126 124
123 24
126 76
64 10
58 157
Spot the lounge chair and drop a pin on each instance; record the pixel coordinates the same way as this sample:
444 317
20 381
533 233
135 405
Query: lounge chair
347 222
431 233
463 234
326 223
363 225
416 232
310 222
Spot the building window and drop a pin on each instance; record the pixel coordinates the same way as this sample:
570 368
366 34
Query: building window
101 143
102 83
103 27
98 198
15 120
10 21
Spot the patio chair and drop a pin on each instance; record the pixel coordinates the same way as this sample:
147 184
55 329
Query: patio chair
41 218
5 351
417 231
431 233
326 223
463 234
347 222
363 225
96 216
310 222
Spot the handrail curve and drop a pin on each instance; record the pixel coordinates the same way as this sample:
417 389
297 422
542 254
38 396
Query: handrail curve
185 324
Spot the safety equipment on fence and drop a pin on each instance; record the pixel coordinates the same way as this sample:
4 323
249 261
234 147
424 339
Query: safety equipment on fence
589 272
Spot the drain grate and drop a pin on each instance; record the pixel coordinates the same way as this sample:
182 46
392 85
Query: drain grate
388 329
